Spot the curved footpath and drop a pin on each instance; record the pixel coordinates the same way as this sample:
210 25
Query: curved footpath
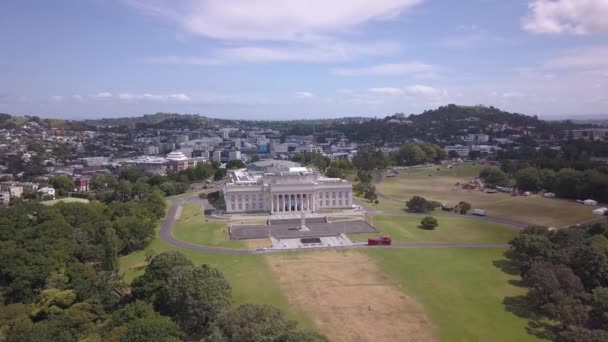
166 234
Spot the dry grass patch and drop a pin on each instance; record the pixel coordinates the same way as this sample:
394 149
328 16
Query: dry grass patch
442 187
349 298
258 243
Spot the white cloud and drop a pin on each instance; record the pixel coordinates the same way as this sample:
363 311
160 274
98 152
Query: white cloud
465 36
187 60
272 19
425 91
387 91
325 51
512 94
103 94
391 69
57 98
582 58
321 51
566 16
154 97
304 94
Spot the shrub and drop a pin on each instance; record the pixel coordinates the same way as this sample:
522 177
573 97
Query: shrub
429 223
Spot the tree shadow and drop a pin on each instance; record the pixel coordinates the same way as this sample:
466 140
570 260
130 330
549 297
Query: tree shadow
537 325
507 266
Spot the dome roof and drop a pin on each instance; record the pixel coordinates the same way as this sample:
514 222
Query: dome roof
176 155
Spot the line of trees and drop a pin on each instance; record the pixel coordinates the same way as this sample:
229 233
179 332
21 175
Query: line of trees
566 273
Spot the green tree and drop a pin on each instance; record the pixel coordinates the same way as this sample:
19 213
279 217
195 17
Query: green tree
429 223
463 207
153 328
63 185
235 164
152 285
418 204
494 176
528 179
123 191
252 323
530 247
195 296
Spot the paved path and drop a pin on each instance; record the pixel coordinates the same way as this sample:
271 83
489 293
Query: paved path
169 222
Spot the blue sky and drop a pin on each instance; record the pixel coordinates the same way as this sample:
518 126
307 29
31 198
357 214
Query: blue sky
287 59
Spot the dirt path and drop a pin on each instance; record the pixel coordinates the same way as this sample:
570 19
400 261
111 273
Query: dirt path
349 298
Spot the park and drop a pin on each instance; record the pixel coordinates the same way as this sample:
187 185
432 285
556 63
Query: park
449 283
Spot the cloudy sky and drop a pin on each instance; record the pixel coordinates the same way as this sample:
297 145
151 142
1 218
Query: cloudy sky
287 59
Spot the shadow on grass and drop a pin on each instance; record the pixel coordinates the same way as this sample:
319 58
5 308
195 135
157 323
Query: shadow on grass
519 305
537 325
507 266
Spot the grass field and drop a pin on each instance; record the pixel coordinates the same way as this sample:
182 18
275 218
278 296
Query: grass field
194 228
66 200
250 276
441 186
373 294
461 290
450 230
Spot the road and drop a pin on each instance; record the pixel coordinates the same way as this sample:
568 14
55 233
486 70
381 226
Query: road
169 222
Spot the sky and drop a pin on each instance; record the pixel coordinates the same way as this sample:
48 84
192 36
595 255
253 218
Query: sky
294 59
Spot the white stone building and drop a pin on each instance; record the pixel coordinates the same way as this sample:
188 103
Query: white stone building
298 189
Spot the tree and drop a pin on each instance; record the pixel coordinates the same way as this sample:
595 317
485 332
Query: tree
418 204
333 172
150 253
429 223
152 328
528 179
251 323
549 283
453 154
195 296
568 183
152 285
370 194
410 154
599 307
123 191
494 176
63 185
463 207
235 164
529 248
134 232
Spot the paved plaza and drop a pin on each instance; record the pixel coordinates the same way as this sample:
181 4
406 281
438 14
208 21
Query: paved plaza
284 229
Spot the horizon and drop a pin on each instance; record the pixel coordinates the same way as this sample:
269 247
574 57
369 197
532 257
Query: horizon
271 60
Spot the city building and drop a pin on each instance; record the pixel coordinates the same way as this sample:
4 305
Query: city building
299 189
461 150
12 189
234 155
47 193
5 198
588 134
81 184
177 161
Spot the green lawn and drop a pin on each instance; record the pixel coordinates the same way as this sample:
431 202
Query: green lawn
194 228
251 279
405 229
461 290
